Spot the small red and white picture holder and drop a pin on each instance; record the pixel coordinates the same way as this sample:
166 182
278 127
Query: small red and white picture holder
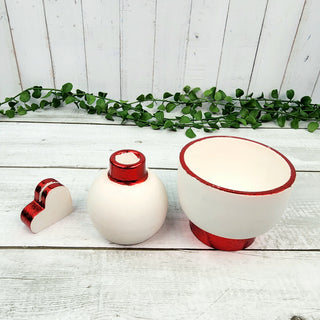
52 202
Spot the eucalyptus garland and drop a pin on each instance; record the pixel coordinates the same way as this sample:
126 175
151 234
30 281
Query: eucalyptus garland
209 110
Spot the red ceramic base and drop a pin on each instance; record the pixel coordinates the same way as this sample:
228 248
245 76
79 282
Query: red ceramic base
220 243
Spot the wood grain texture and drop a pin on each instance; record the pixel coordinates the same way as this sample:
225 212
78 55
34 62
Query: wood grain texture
31 42
171 38
101 31
10 84
240 44
93 144
158 285
303 67
277 36
207 23
137 39
65 32
298 229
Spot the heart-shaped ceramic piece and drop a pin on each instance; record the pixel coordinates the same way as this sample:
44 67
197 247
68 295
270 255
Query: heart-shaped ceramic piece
52 202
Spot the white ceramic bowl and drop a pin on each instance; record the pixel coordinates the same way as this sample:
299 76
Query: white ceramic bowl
232 189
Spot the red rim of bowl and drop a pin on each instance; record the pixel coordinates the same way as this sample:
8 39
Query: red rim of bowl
253 193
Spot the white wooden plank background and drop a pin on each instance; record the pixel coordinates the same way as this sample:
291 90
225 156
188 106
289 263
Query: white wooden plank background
140 46
87 284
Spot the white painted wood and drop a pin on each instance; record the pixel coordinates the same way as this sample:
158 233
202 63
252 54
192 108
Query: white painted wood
137 39
316 92
31 42
279 29
101 31
303 67
9 79
65 32
298 228
93 144
82 284
171 38
206 33
241 38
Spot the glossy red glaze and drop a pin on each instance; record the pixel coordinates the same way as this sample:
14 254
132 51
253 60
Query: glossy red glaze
248 193
37 205
128 174
220 243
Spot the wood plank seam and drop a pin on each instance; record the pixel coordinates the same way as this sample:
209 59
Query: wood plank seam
187 44
255 55
222 45
154 42
49 44
13 45
292 46
120 45
315 84
84 45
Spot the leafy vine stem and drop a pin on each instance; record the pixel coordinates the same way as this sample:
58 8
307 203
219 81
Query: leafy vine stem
209 110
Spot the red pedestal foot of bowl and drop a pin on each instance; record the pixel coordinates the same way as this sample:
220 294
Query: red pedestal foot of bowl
220 243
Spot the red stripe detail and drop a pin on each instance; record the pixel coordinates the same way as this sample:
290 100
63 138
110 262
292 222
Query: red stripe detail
46 191
220 243
248 193
29 212
39 187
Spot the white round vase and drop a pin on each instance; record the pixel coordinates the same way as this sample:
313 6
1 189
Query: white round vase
127 203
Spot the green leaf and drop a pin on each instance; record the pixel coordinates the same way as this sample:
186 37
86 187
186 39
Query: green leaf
207 115
170 106
150 106
190 134
155 127
167 95
218 96
193 96
141 98
214 108
168 124
83 105
275 94
186 89
266 117
239 93
67 87
198 115
162 107
102 94
109 117
184 119
25 96
36 93
313 126
256 125
146 116
159 115
44 103
176 96
183 98
294 124
207 93
34 106
281 121
149 96
55 102
70 99
290 94
90 98
101 103
228 99
244 113
306 100
243 121
186 110
21 110
10 113
47 95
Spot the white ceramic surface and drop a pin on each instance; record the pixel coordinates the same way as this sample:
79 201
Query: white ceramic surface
232 187
127 214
